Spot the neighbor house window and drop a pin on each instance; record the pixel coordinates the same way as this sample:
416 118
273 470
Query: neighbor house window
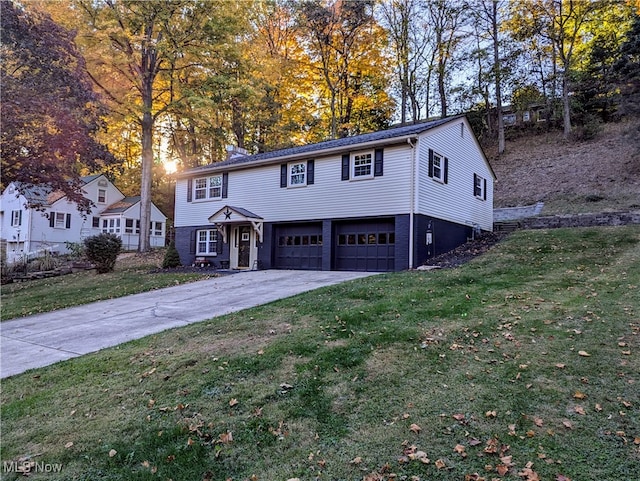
155 228
207 242
59 220
362 165
208 188
132 226
111 226
95 222
297 174
16 218
102 196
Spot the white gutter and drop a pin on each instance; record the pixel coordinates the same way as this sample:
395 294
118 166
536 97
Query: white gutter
412 201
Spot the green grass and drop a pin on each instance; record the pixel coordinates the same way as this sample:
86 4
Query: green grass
44 295
327 384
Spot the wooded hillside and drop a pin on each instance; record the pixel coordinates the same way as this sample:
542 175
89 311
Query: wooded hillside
601 174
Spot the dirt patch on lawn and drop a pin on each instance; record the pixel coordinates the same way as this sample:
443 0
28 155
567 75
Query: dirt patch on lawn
467 251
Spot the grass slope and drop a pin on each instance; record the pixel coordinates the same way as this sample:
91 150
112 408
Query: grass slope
523 364
601 174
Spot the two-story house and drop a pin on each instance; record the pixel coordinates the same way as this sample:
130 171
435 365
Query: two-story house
383 201
30 231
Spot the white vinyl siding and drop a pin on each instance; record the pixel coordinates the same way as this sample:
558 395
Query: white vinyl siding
258 190
454 201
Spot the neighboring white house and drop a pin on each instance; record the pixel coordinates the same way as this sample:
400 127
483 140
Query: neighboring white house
33 231
383 201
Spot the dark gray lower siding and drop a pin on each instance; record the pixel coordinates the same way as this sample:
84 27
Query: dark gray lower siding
444 236
185 239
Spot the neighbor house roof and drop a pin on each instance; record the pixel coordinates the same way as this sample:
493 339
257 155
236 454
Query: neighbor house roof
43 194
378 138
121 206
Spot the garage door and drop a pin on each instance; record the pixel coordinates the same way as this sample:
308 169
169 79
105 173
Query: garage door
298 246
365 246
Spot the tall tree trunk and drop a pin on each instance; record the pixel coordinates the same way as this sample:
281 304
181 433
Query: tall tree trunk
145 184
566 108
496 66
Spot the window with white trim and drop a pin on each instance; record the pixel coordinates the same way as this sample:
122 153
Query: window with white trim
95 222
207 188
207 242
155 228
438 167
297 174
362 165
60 220
132 226
479 187
102 196
16 218
111 226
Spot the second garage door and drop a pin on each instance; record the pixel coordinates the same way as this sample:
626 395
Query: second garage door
365 246
298 246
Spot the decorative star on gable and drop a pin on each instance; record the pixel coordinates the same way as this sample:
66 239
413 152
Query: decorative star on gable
227 214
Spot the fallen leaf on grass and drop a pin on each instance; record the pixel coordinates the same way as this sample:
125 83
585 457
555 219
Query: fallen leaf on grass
491 414
560 365
233 402
415 428
112 453
460 449
440 464
538 422
580 395
69 444
356 460
560 477
583 354
502 469
579 410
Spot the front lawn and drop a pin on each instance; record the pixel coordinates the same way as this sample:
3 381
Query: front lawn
520 365
133 274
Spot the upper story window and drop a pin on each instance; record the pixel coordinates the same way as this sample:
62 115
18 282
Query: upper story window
208 188
155 228
297 174
16 218
362 165
102 196
438 167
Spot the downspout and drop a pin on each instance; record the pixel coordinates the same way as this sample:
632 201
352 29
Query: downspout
412 201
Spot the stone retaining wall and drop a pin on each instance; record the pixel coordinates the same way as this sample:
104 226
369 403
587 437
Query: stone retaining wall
581 220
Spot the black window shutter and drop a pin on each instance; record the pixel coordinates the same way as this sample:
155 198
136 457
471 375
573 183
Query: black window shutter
475 184
189 190
377 166
283 175
446 170
19 217
345 167
225 185
484 191
192 242
68 221
430 163
219 240
52 219
310 172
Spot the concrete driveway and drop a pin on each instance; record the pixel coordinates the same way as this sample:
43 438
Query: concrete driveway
44 339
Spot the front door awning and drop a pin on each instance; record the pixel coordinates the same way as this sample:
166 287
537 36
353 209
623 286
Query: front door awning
236 215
